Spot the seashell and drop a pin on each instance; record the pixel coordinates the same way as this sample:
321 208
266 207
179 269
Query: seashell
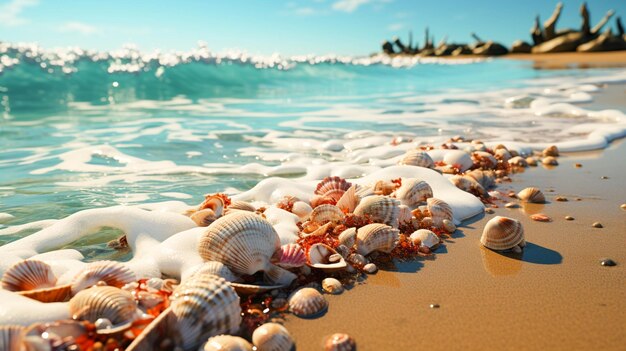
167 285
332 286
485 178
316 230
502 154
114 304
318 200
272 337
413 191
323 214
348 237
540 217
217 268
279 276
468 184
417 157
383 187
301 209
204 217
226 343
500 146
318 257
213 202
549 161
376 237
339 342
459 159
518 161
370 268
439 210
307 302
404 215
551 150
380 209
243 241
531 161
290 256
425 237
349 200
484 159
241 205
333 187
110 272
358 259
28 275
364 191
502 233
254 288
11 337
532 195
448 226
427 222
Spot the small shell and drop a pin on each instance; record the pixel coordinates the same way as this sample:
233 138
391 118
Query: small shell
318 200
518 161
502 154
59 293
531 161
357 259
384 187
28 275
272 337
551 150
349 200
111 272
326 213
307 302
427 222
319 257
439 210
370 268
540 217
413 191
502 233
550 161
290 256
241 205
418 158
484 160
348 237
468 184
376 237
425 237
485 178
339 342
333 187
217 268
301 209
381 209
114 304
531 194
213 202
459 159
226 343
204 217
11 337
448 226
332 286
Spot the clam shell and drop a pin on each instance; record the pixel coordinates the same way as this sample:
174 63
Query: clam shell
108 302
307 302
448 226
58 293
204 217
485 178
217 268
226 343
439 210
214 203
425 237
381 209
290 256
468 184
28 275
551 150
413 191
376 237
243 241
349 200
111 272
319 255
417 157
518 161
502 233
11 337
484 159
272 337
531 194
241 205
326 213
339 342
332 286
301 209
405 215
550 161
333 187
348 237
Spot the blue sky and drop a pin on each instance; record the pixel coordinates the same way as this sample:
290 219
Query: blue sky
273 26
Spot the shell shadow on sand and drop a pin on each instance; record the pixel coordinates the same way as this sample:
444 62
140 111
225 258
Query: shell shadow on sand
510 263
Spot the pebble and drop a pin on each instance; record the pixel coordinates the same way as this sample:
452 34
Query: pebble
540 217
569 218
623 207
597 225
607 262
577 165
434 305
560 198
511 205
604 177
370 268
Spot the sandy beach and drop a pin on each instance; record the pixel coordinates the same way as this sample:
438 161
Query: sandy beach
565 60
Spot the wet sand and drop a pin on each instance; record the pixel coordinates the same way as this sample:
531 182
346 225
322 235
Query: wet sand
555 296
574 59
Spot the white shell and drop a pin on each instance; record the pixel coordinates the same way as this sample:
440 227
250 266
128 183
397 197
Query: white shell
226 343
241 205
370 268
376 237
405 215
448 226
216 268
413 191
458 158
425 237
468 184
439 210
551 150
28 275
272 337
502 233
518 161
339 342
301 209
306 302
486 179
531 194
417 157
484 159
348 237
243 241
114 304
326 213
349 200
381 209
332 286
319 255
110 272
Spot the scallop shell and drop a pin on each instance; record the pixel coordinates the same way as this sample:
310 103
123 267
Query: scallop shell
363 191
272 337
439 210
60 293
485 178
111 272
339 342
318 200
418 158
226 343
349 200
376 237
323 214
425 237
11 337
468 184
459 159
348 237
332 286
518 161
307 302
319 257
217 268
551 150
241 205
484 159
28 275
333 187
381 209
413 191
114 304
290 256
243 241
532 195
502 233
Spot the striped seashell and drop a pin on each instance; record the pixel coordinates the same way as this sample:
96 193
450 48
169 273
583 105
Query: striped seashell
532 195
272 337
243 241
502 233
290 256
319 200
425 237
364 191
413 191
333 187
28 275
518 161
213 202
226 343
380 209
418 158
203 218
204 306
319 256
315 229
384 187
468 184
307 302
484 160
279 276
339 342
486 179
439 210
301 209
349 200
404 216
241 205
332 286
114 304
551 150
323 214
12 337
217 268
459 159
110 272
348 237
376 237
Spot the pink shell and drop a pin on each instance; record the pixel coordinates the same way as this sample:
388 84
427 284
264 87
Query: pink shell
290 256
333 187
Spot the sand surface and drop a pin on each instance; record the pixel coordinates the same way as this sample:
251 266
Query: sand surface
574 59
555 296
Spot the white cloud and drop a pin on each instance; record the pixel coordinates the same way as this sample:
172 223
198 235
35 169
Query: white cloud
10 12
349 5
81 28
